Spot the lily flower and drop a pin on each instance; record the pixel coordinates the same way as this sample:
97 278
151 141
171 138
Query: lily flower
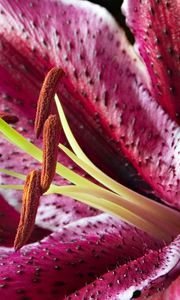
119 113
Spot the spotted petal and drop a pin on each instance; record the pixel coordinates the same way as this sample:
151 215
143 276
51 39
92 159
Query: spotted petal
19 88
171 293
56 259
155 25
127 281
107 85
54 210
74 256
9 219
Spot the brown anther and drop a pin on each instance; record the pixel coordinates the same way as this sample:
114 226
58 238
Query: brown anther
11 119
51 138
46 96
30 202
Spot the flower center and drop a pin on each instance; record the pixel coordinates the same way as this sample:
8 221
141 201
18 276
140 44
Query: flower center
154 218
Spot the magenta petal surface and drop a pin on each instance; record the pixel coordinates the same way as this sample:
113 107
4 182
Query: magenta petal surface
159 285
155 25
172 293
66 260
124 282
19 89
54 211
9 219
107 85
105 78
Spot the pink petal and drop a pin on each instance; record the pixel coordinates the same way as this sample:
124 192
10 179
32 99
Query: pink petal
108 85
125 281
9 219
172 293
20 85
155 25
158 286
66 260
102 246
19 90
54 210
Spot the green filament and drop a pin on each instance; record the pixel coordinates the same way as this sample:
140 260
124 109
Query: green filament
152 217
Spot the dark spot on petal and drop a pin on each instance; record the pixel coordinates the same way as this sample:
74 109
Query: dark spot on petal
157 40
167 5
170 50
165 31
159 56
136 294
169 71
178 116
20 291
4 285
152 11
172 90
58 283
57 267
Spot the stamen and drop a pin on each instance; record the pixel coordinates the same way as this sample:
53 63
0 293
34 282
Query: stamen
156 219
11 119
12 173
45 98
68 133
11 187
51 137
128 195
30 202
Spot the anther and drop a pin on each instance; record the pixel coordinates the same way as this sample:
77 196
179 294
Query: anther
51 138
11 119
30 202
46 96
